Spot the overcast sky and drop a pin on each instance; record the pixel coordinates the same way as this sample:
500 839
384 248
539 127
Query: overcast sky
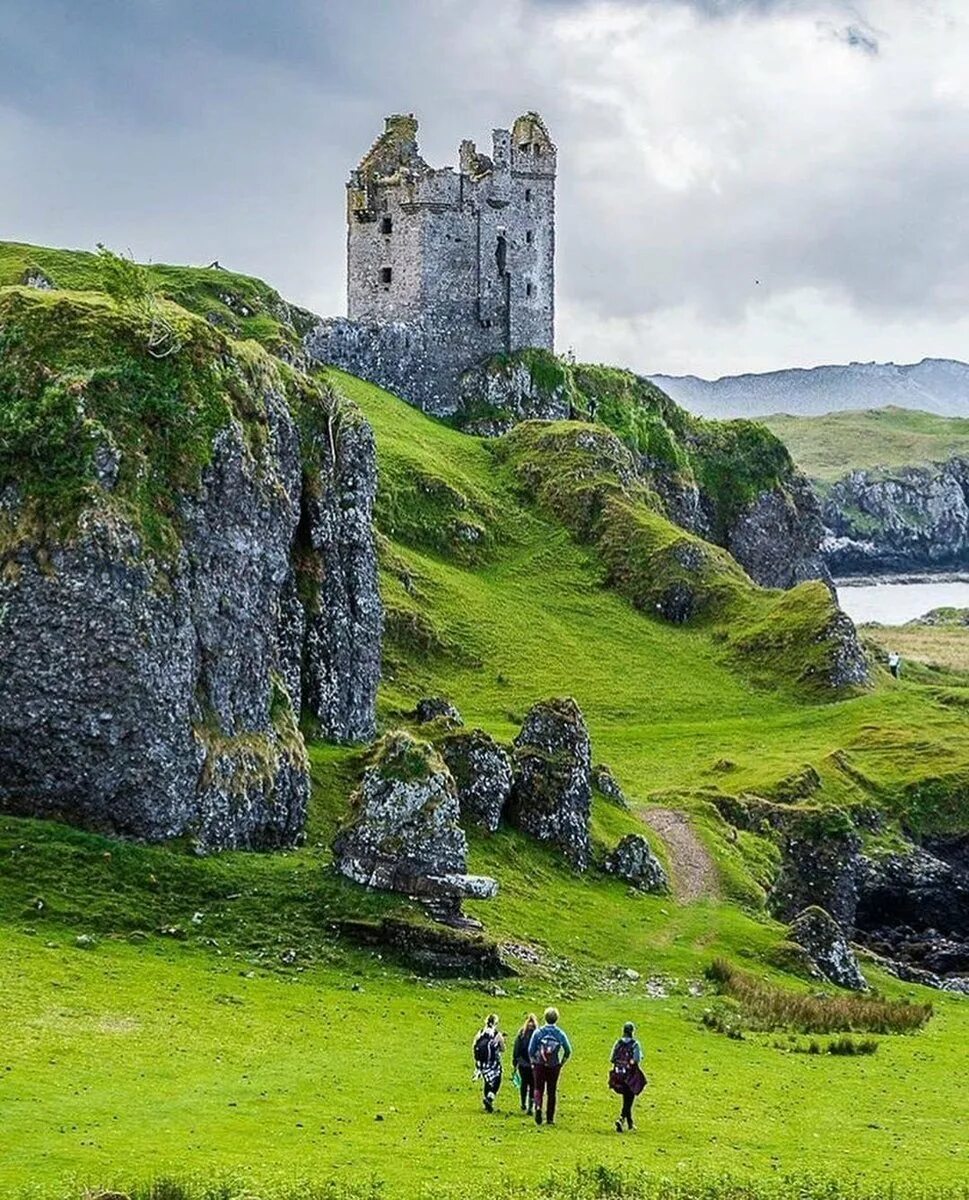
743 184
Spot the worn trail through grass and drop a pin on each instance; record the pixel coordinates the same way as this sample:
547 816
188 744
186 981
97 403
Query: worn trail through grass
693 872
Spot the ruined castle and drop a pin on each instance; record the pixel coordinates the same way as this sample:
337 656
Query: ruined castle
445 267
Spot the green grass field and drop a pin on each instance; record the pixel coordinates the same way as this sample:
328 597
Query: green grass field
830 446
216 1021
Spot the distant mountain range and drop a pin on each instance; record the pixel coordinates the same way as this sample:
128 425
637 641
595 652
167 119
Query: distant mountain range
935 385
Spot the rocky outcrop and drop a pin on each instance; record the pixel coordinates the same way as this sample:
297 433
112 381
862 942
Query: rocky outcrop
825 944
404 832
777 538
551 792
160 641
634 861
914 907
335 554
482 774
911 908
819 868
909 518
496 395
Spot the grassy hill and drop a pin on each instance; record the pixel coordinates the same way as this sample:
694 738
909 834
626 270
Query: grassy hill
167 1015
830 446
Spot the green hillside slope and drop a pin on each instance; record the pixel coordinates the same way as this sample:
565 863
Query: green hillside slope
830 446
167 1015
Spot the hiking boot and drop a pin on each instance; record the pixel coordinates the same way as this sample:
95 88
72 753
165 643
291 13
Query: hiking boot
489 1103
619 1126
538 1116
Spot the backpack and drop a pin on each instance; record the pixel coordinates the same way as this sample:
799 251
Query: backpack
626 1074
486 1048
623 1058
548 1051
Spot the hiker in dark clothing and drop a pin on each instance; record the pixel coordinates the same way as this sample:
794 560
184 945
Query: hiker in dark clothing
626 1076
523 1064
488 1047
546 1046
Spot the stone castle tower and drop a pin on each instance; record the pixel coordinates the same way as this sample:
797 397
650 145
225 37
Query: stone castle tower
445 267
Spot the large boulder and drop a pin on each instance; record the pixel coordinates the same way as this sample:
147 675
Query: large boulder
824 942
551 792
482 773
404 833
634 861
437 708
175 588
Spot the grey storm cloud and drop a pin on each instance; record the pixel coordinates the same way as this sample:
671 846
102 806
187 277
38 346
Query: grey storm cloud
744 184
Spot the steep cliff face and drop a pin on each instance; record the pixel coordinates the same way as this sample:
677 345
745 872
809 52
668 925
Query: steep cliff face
903 519
732 483
186 565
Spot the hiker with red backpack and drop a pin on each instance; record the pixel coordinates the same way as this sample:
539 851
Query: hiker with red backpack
488 1047
626 1076
549 1050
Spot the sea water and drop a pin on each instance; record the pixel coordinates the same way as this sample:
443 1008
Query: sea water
893 601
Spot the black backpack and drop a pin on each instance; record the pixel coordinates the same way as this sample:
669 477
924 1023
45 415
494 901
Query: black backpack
486 1047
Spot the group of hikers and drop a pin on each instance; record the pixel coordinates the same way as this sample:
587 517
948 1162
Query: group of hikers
539 1053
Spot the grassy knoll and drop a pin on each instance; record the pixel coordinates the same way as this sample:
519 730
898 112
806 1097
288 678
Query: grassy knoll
214 1019
241 305
830 446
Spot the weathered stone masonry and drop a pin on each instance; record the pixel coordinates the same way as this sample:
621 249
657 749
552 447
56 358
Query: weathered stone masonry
445 268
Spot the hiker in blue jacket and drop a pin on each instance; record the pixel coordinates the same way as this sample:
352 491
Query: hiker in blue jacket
549 1050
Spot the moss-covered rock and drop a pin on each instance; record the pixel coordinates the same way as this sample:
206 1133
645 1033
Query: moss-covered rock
186 564
731 482
551 794
404 832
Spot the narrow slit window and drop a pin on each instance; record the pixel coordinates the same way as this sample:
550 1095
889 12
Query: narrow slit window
386 274
387 225
529 236
528 194
529 289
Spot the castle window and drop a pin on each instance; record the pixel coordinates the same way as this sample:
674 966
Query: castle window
528 193
529 236
529 289
386 274
387 225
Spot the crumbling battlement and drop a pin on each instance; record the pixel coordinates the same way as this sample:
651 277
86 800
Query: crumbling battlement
445 267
